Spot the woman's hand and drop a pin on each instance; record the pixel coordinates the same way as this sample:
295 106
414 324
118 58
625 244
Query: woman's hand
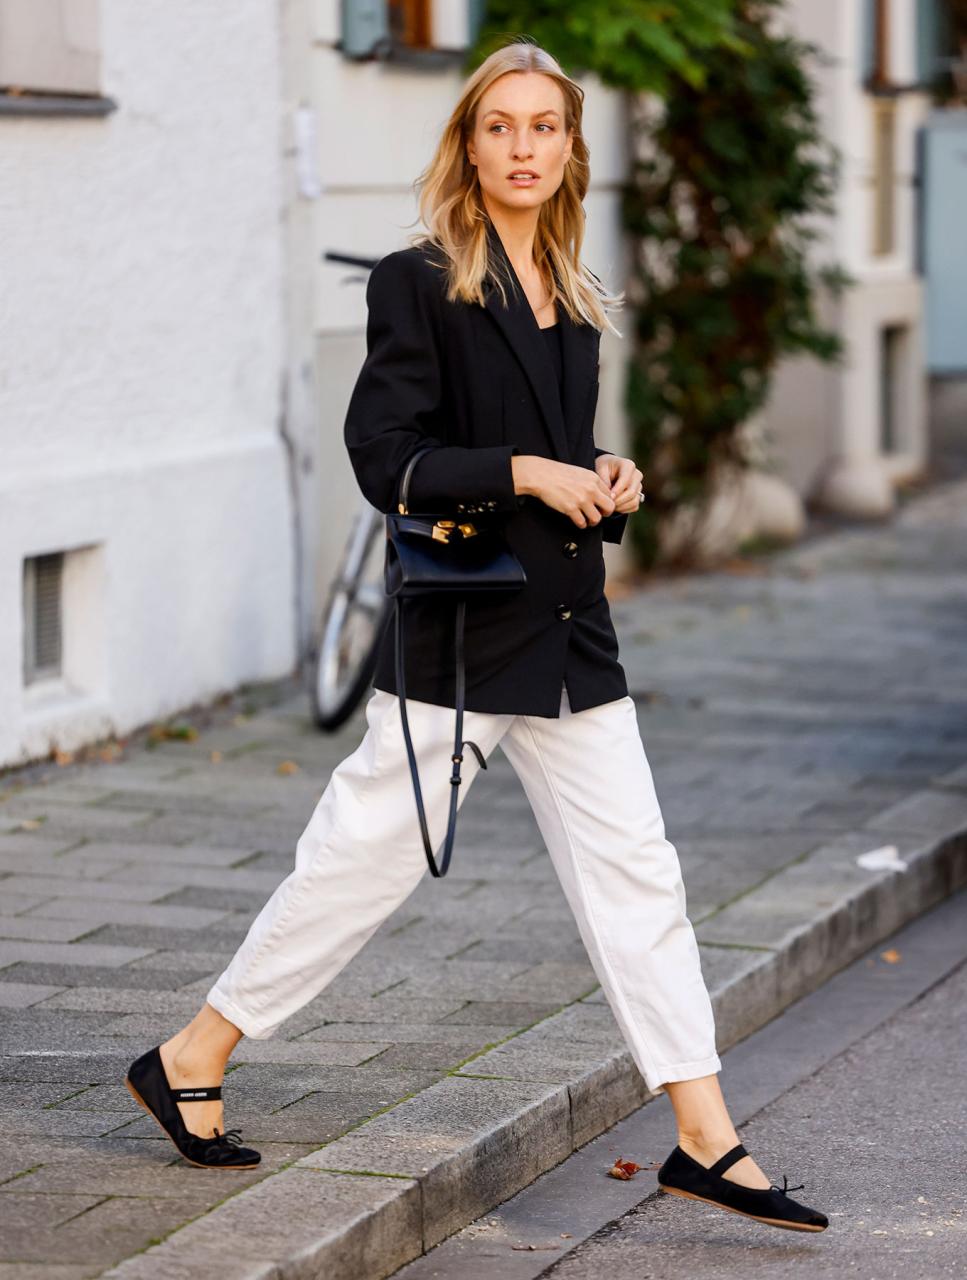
622 478
577 492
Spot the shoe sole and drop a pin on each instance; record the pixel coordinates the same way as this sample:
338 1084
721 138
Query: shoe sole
772 1222
198 1165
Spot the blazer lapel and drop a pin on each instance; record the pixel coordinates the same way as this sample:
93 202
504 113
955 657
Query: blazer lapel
519 326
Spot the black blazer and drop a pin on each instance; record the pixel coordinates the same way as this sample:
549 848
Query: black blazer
479 383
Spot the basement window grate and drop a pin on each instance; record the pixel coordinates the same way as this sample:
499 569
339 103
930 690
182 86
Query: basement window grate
42 600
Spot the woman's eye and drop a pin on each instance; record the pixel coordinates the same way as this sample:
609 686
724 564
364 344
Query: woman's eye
543 125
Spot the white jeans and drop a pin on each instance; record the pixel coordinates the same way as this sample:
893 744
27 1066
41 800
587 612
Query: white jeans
590 786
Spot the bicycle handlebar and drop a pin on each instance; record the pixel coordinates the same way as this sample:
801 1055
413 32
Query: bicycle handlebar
350 260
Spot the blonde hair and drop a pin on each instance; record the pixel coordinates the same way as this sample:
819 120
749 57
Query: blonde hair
451 205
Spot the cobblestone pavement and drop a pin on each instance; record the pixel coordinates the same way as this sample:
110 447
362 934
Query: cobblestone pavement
817 703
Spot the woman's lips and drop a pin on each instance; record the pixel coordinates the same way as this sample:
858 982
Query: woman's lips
523 180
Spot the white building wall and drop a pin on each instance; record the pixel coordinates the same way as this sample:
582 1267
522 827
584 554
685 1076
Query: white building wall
142 332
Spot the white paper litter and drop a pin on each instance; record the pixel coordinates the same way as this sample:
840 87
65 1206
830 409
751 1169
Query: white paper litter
886 858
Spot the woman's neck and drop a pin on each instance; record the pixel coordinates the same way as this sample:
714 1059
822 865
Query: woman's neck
517 230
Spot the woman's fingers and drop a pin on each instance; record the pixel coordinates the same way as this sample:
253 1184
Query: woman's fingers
596 507
628 483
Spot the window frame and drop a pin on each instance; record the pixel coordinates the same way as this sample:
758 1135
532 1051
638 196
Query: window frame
391 49
19 95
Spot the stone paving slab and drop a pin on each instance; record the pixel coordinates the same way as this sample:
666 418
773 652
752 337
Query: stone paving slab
794 717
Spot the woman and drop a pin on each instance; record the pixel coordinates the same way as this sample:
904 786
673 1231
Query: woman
483 340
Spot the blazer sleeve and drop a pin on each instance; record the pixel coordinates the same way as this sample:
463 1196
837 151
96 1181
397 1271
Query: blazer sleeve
397 399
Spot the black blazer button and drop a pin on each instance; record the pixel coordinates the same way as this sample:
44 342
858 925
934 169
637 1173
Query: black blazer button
562 611
461 507
570 549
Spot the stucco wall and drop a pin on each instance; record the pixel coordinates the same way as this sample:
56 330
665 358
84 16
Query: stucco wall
141 317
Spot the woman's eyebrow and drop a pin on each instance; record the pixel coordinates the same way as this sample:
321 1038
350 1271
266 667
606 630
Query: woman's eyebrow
499 111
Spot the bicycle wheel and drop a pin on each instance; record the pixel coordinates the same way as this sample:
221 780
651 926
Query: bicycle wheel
356 612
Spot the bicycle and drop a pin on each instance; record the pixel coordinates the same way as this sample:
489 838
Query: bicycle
357 608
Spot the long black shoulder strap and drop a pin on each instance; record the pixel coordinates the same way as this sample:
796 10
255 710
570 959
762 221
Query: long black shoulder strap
458 745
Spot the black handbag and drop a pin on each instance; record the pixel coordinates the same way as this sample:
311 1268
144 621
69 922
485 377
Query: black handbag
427 555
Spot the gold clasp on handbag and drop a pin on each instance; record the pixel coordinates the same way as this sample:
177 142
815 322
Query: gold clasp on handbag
443 528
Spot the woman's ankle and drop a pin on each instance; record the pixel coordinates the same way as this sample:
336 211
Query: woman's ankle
188 1056
718 1140
195 1061
201 1050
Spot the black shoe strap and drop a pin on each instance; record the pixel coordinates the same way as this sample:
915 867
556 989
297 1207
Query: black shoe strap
728 1160
197 1095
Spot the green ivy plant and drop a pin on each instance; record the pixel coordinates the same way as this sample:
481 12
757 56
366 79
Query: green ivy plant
630 44
720 207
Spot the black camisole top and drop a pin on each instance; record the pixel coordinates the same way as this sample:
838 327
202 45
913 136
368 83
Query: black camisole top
552 339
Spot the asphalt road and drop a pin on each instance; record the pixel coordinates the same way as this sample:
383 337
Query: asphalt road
859 1090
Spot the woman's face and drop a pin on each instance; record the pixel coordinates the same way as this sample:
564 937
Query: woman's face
520 126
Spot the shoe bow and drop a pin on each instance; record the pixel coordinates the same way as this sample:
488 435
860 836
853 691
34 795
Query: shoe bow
231 1137
785 1188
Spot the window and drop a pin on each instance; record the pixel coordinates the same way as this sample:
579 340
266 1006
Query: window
928 23
410 23
892 351
884 175
936 42
42 595
64 625
50 58
876 43
424 32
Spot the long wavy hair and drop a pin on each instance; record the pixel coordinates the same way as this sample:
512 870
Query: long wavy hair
451 202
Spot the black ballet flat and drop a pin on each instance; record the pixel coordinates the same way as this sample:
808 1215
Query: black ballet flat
148 1083
682 1175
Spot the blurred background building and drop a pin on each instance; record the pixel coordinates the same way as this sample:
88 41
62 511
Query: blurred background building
178 355
849 434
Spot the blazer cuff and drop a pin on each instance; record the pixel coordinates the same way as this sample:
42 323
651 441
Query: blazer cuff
468 480
613 526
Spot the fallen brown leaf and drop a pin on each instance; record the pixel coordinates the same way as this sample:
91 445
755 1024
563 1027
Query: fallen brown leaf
287 766
624 1169
891 956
